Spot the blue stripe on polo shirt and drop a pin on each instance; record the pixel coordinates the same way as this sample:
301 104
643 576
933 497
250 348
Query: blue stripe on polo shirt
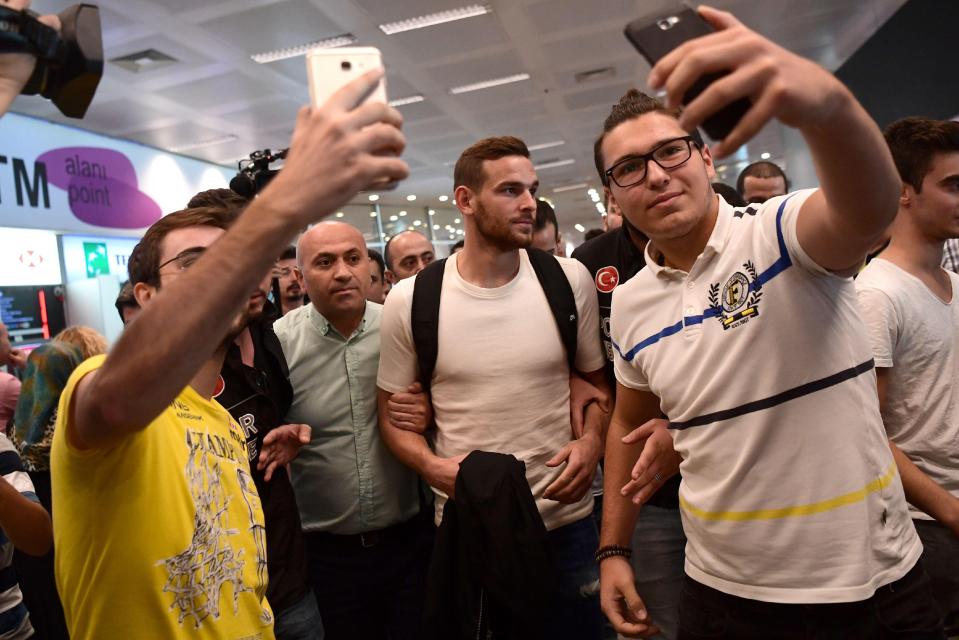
774 270
12 619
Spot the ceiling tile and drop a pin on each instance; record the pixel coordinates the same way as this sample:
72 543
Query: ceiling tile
233 87
274 26
452 38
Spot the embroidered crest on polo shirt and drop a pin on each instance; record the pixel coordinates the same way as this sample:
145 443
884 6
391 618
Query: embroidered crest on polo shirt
607 278
737 301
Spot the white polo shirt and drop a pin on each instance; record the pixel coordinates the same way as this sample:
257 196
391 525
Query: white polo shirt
790 493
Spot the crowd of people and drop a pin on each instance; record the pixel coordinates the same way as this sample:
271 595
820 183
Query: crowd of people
728 415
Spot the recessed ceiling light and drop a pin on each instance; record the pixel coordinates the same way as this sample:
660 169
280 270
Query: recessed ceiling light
546 145
486 84
303 49
372 214
444 198
569 187
339 214
374 197
436 227
457 221
554 163
393 218
766 156
432 19
432 212
209 142
601 208
417 223
579 227
399 102
402 214
594 197
410 198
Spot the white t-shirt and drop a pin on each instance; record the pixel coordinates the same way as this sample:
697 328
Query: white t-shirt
501 381
758 355
915 334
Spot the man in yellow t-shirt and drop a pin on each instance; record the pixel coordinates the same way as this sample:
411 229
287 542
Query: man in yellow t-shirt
157 522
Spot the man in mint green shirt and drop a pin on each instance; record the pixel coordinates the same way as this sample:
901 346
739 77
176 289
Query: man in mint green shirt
367 540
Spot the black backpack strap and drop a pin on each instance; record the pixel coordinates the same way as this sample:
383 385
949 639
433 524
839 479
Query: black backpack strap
560 296
425 318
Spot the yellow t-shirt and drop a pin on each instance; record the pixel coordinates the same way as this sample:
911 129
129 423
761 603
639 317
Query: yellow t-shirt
162 535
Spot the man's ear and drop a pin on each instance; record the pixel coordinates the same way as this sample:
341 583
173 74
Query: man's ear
463 198
906 196
298 274
144 293
708 161
390 277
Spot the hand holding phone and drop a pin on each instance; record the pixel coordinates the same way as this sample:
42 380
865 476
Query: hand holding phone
777 83
329 69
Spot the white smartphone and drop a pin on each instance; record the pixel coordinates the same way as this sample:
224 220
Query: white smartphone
330 69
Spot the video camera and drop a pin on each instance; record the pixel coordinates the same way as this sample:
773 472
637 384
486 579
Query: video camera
69 63
255 173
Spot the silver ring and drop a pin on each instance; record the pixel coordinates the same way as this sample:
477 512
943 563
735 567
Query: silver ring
658 478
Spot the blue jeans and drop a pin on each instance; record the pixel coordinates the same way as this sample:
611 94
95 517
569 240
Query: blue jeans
300 621
659 558
574 612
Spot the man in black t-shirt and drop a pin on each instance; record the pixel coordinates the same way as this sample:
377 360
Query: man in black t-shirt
658 542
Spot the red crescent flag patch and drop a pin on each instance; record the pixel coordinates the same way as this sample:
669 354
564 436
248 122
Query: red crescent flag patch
220 386
607 278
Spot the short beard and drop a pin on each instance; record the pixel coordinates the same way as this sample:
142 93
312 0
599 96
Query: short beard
498 233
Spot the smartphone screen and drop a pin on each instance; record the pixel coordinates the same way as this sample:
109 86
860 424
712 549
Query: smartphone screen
656 37
329 69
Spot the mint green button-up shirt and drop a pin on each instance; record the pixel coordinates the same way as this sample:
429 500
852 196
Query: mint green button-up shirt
346 480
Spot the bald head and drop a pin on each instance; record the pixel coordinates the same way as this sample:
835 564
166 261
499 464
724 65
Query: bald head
407 253
332 260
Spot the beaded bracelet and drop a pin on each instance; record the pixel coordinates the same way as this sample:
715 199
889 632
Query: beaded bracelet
612 550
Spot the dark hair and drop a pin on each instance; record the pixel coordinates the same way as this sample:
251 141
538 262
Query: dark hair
914 142
126 299
469 172
145 260
761 169
378 259
592 233
544 216
457 246
386 247
288 254
632 105
729 194
218 198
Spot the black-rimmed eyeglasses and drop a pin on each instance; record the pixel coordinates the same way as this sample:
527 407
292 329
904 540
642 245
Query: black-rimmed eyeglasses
668 155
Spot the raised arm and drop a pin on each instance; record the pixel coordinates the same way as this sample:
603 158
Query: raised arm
859 184
333 155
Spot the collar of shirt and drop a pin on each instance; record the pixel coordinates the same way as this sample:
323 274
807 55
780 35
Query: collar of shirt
325 327
714 246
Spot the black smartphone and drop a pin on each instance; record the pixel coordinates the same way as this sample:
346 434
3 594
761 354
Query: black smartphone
654 38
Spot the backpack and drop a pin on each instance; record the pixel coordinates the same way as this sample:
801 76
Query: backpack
425 312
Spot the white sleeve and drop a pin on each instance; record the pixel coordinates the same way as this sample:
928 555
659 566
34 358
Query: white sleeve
589 351
778 218
627 369
882 323
398 365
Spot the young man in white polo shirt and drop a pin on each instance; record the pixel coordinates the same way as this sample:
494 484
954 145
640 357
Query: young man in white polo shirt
501 380
909 304
743 330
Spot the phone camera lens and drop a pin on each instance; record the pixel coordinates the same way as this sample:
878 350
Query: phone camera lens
346 65
667 23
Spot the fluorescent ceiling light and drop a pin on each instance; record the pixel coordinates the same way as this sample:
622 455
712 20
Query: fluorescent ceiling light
209 142
486 84
432 19
399 102
300 50
554 163
570 187
579 227
546 145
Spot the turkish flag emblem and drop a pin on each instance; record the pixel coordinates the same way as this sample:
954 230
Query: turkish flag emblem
220 386
31 258
607 278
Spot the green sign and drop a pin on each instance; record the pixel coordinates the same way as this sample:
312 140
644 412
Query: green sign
95 254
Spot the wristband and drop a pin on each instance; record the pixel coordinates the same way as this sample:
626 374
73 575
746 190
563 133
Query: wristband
612 550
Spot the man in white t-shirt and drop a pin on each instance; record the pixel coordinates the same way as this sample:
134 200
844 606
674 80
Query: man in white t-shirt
743 329
501 380
909 305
